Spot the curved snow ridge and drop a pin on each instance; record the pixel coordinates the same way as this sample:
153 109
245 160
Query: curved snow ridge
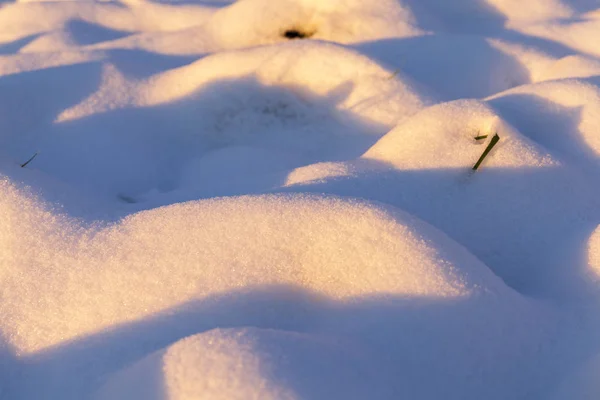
244 23
573 66
579 32
252 22
456 66
517 12
339 77
248 363
321 172
498 14
444 136
24 62
303 102
540 66
249 23
593 257
114 91
485 16
350 360
562 115
80 19
60 281
347 79
238 363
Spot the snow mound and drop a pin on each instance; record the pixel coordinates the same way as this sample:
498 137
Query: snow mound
563 116
347 78
574 66
344 21
247 364
424 166
342 77
531 11
444 136
319 173
89 279
76 21
335 127
579 32
455 66
303 102
196 28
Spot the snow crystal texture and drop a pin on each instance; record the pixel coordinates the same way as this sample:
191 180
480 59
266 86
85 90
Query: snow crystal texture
261 199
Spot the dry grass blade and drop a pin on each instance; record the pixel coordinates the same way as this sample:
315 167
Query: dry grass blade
487 150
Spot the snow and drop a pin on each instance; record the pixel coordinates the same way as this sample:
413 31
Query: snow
551 105
216 211
225 364
583 384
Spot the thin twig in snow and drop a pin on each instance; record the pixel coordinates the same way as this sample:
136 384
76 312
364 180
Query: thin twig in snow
489 148
30 160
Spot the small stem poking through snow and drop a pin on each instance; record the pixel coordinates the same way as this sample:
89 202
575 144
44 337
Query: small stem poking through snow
481 137
394 74
489 148
30 160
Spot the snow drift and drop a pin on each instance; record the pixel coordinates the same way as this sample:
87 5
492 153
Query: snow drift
275 199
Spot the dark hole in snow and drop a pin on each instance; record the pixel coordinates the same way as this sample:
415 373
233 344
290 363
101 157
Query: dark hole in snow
296 34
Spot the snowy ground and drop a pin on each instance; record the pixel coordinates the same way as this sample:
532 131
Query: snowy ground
215 211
